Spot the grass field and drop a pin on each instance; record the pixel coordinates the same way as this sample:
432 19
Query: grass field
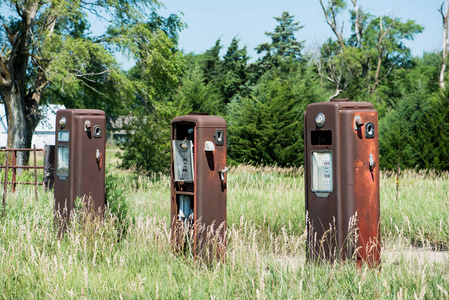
265 253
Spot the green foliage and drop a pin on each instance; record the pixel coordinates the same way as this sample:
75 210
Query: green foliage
210 82
364 63
283 51
196 95
234 71
267 127
283 42
265 113
80 69
147 144
159 64
98 81
211 63
411 133
117 206
153 44
420 76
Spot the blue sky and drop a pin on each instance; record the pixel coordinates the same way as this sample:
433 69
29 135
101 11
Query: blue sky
208 20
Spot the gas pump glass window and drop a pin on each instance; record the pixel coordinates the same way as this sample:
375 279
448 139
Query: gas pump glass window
322 181
63 162
63 136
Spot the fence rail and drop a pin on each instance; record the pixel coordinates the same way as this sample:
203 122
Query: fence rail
14 167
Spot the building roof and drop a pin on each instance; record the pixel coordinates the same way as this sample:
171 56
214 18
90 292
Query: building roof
46 124
117 124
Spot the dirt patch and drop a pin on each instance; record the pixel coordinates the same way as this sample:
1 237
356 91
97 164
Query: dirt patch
392 255
410 254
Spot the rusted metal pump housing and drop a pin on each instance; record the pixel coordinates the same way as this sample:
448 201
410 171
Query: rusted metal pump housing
342 181
198 184
80 160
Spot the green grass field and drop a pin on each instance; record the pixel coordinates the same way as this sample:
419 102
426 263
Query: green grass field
265 250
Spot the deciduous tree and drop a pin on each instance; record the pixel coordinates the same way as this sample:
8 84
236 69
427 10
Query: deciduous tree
47 46
375 48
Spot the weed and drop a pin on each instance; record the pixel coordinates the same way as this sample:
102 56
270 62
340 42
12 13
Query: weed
265 246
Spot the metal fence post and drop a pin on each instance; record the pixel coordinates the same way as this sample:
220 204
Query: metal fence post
5 185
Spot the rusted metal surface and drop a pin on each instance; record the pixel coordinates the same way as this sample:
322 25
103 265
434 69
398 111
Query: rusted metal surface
206 231
14 159
344 223
22 167
24 182
5 186
35 172
85 177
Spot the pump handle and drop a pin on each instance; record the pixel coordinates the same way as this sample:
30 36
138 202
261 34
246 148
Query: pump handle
372 163
222 173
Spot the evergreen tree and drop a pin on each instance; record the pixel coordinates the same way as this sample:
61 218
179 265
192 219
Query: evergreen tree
411 133
283 50
233 71
211 63
195 95
267 126
283 42
421 73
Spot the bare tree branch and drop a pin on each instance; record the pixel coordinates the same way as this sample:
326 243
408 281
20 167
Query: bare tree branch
337 92
335 76
84 75
93 89
333 23
357 25
380 49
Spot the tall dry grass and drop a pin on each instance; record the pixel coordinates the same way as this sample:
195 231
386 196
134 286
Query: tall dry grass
265 251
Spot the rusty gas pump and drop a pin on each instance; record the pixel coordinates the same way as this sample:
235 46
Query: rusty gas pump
342 181
80 160
198 185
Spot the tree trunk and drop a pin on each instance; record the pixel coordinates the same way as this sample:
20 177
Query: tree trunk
380 51
444 16
20 107
20 129
377 75
22 119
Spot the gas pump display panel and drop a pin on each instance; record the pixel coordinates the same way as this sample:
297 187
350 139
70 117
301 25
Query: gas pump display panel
183 160
322 181
63 162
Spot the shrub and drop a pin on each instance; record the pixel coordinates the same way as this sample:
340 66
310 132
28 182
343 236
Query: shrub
116 205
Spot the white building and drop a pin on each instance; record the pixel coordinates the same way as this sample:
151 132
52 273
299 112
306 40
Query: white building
44 134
